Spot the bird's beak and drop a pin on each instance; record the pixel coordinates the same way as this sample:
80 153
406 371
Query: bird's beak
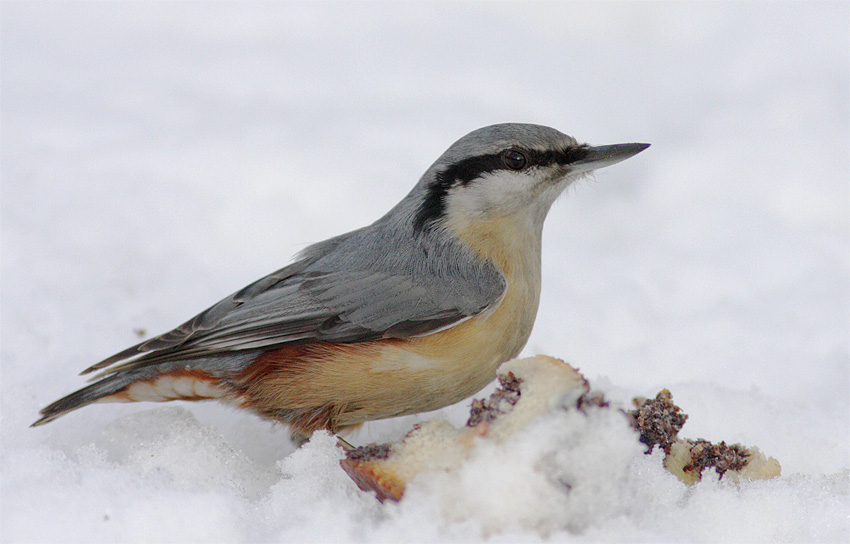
605 155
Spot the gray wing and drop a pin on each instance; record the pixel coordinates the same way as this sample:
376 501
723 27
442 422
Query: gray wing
341 291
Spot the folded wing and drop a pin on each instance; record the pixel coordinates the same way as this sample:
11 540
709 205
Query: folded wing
317 299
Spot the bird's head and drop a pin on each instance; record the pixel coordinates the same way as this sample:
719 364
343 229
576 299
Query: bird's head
507 171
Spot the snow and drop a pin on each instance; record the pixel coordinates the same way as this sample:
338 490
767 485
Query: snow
157 157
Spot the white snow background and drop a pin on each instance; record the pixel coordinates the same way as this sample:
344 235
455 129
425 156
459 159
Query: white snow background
157 157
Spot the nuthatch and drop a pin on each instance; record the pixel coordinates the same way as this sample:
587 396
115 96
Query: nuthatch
411 313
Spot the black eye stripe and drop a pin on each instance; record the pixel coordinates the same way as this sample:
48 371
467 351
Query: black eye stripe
550 157
469 169
466 170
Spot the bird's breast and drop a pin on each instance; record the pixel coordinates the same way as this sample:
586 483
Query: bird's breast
459 361
464 358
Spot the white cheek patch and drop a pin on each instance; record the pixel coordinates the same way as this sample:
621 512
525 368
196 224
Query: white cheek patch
504 192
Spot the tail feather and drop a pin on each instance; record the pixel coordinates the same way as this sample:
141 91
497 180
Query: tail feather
198 379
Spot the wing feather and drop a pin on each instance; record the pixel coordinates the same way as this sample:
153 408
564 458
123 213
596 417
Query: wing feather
324 297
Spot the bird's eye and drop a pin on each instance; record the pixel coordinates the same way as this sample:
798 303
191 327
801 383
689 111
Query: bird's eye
513 159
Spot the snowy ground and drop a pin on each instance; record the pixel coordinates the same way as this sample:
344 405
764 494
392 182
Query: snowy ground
157 157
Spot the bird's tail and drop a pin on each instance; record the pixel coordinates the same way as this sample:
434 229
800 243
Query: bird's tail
192 379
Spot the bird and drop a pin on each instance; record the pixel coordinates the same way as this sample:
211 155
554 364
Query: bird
411 313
